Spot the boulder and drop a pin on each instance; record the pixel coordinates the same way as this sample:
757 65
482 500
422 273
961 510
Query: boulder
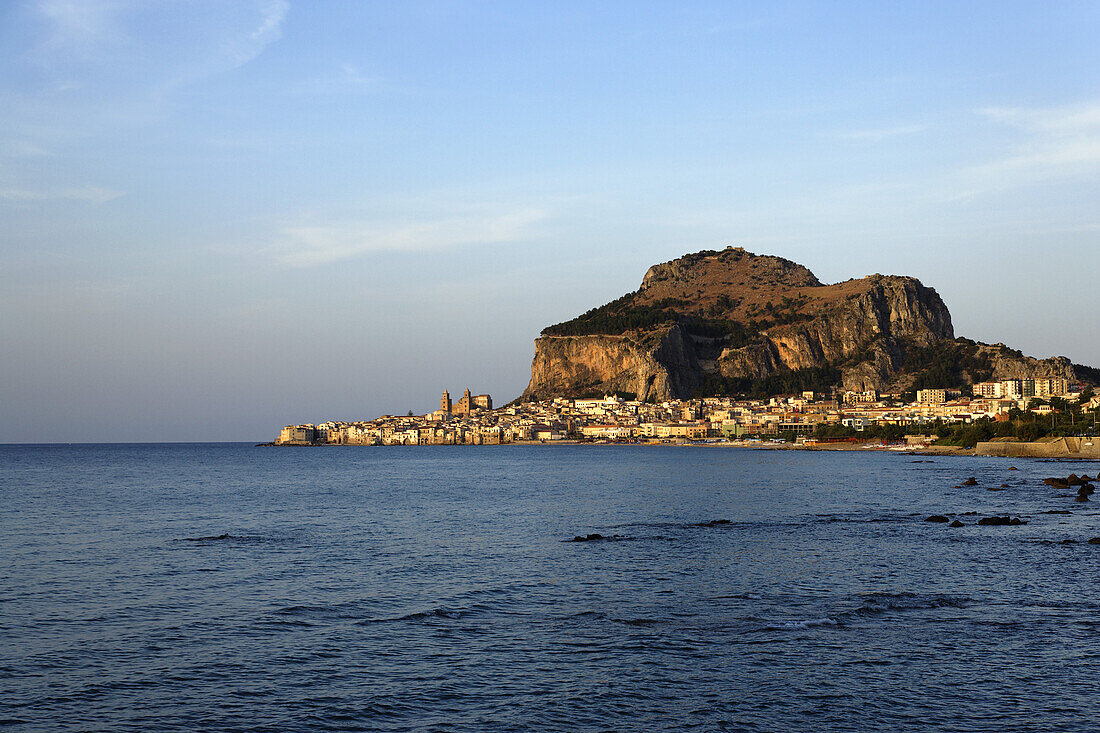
970 482
956 523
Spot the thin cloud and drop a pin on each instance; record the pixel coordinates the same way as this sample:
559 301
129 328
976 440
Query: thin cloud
348 78
91 194
23 149
1058 143
1056 120
875 135
79 25
309 246
270 29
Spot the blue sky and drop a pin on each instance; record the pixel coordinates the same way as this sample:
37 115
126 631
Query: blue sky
221 217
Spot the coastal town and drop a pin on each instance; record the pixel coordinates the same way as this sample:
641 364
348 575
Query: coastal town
472 420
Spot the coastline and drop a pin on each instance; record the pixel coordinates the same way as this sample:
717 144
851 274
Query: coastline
928 450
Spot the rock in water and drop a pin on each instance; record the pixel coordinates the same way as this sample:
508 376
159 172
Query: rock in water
970 482
714 523
1000 521
956 523
937 518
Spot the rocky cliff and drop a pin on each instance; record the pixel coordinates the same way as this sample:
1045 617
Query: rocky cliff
731 321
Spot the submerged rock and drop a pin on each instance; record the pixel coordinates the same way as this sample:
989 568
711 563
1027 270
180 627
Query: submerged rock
939 518
1094 541
714 523
212 538
588 537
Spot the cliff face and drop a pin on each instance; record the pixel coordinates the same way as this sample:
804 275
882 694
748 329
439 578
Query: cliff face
718 320
654 365
1010 364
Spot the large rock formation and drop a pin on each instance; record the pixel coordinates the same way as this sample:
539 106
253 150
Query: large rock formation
732 321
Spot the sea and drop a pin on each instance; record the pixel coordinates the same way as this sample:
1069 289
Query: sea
228 587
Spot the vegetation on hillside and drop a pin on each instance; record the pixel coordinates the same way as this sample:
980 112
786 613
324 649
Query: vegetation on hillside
790 381
947 364
625 314
622 315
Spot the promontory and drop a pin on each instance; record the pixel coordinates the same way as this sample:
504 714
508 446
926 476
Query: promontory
733 322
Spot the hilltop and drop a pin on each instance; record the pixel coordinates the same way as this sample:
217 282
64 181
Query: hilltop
730 321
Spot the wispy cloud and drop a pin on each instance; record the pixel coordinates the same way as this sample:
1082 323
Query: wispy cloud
311 245
78 26
876 134
270 29
23 149
91 194
1056 143
1057 120
347 78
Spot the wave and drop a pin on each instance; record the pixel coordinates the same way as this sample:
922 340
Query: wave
797 625
431 614
637 621
878 603
872 605
835 518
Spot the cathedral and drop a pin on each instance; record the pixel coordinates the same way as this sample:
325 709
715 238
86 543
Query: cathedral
469 403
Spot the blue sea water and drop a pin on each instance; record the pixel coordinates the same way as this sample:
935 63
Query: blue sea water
410 589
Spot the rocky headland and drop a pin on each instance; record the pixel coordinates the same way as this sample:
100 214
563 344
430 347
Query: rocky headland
730 321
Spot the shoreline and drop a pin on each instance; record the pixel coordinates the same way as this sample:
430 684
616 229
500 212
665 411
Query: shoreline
929 450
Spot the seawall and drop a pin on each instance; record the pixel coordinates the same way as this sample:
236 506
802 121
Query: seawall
1050 448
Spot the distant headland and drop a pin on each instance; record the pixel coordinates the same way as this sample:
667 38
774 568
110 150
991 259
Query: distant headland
733 345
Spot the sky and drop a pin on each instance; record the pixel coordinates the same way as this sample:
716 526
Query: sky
218 218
